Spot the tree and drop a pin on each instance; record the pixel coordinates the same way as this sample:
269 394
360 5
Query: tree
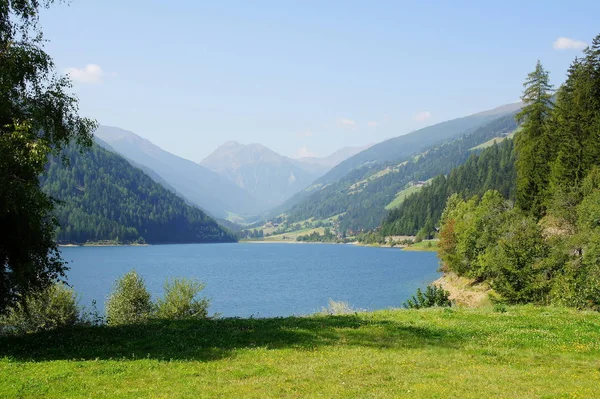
577 130
516 261
38 117
130 302
532 143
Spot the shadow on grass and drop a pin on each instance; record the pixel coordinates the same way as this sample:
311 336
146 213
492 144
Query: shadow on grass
207 340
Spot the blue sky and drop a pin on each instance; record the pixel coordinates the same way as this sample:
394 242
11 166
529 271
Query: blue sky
304 77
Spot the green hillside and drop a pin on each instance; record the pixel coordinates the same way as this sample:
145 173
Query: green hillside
493 169
417 141
495 140
363 194
403 194
102 197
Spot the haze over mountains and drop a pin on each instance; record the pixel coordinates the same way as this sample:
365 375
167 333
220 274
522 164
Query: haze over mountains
268 176
245 183
236 181
419 140
199 185
357 190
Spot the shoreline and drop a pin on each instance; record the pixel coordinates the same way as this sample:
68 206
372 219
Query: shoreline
101 245
355 243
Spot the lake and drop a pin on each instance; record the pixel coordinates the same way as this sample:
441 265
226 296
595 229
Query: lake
260 280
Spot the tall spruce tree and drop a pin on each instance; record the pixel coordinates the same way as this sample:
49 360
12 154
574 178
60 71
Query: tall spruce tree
532 143
576 130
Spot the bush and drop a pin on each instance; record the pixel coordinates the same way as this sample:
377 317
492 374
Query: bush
52 308
129 302
180 300
338 308
433 296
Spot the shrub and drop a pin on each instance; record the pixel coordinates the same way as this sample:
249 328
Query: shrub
337 308
433 296
129 303
180 300
52 308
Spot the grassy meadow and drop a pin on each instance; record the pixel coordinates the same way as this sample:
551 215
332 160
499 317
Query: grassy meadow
525 352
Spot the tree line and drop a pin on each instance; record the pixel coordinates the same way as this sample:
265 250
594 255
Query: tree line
420 213
101 197
545 246
361 196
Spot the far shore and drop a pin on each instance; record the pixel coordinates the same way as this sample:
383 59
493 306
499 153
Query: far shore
402 247
102 245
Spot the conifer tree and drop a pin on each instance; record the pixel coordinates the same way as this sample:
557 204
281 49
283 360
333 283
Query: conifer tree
532 143
577 122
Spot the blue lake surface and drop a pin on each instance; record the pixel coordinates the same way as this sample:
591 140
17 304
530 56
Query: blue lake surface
260 280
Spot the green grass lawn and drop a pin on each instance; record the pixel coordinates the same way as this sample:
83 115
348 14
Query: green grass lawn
526 352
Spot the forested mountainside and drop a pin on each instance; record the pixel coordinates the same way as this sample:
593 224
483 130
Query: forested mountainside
201 186
493 169
104 198
398 148
267 176
545 246
361 196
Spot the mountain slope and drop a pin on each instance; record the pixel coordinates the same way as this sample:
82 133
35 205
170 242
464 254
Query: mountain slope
201 186
493 169
403 146
104 198
361 196
322 165
266 175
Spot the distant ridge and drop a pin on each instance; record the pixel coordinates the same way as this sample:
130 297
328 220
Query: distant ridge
266 175
201 186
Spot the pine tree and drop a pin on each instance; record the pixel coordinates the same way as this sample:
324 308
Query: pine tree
576 130
532 143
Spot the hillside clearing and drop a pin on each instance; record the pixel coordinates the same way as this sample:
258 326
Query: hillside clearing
496 140
403 194
526 352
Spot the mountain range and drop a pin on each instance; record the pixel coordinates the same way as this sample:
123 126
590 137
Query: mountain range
266 175
246 183
236 181
197 184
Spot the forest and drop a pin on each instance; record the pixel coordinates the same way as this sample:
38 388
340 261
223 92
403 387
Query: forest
100 196
543 247
493 169
361 196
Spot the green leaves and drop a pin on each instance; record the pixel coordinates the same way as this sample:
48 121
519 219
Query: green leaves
38 116
180 300
434 296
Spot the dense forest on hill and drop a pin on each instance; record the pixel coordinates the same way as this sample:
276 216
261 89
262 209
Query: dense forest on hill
102 197
420 140
361 196
493 169
545 246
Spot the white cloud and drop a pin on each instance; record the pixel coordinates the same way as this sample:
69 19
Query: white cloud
422 116
91 73
565 43
372 124
304 152
305 134
347 123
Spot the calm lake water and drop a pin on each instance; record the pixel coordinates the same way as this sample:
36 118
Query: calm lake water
260 280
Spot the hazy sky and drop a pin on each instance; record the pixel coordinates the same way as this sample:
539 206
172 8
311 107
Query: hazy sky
304 77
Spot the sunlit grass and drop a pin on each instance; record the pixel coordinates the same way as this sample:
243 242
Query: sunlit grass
526 352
